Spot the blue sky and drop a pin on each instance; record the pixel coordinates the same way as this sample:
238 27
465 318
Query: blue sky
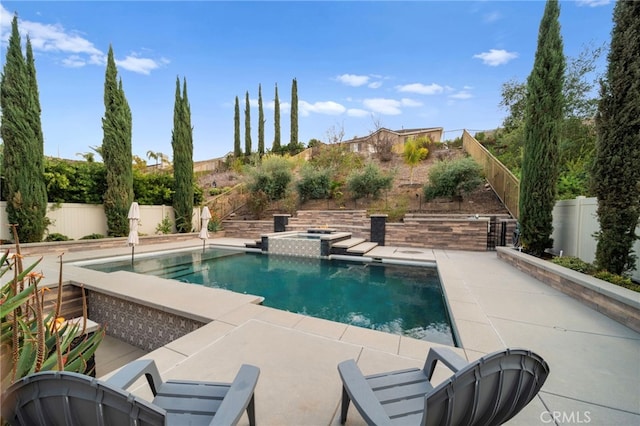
398 64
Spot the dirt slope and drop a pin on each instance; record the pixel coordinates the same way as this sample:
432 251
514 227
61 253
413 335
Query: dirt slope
405 196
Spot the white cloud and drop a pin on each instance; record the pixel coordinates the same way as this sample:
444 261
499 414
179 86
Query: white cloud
136 64
285 107
421 89
74 61
495 57
463 94
327 107
410 102
353 80
375 85
383 106
356 112
593 3
49 37
79 51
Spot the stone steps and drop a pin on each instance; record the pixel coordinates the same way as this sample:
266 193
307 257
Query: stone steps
361 248
348 243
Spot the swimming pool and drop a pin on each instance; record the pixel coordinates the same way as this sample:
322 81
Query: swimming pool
406 300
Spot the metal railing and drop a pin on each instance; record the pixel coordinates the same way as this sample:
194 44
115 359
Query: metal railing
504 183
228 202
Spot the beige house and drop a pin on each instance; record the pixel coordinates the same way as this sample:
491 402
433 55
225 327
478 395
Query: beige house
397 138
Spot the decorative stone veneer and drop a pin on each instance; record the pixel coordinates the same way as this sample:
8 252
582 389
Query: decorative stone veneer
618 303
141 326
453 234
293 247
247 228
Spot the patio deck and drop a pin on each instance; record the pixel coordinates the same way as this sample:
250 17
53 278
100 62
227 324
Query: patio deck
595 373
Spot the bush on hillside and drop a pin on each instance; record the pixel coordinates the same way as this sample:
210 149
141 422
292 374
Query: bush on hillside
272 177
368 182
453 178
314 183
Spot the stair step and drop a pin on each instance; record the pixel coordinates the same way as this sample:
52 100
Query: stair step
348 243
362 248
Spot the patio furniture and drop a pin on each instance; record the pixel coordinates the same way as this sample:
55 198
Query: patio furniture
488 391
65 398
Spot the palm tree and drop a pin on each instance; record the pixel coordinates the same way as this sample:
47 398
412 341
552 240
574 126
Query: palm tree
413 153
153 155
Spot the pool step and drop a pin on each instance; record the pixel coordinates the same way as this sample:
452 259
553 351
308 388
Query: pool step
361 248
348 243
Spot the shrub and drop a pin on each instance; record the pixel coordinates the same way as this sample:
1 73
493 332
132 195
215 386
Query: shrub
57 237
32 339
75 182
272 177
616 279
368 182
574 263
338 159
258 203
165 226
453 178
314 183
580 265
155 188
215 224
92 237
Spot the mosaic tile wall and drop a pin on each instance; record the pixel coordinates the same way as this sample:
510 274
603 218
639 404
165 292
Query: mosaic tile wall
292 247
141 326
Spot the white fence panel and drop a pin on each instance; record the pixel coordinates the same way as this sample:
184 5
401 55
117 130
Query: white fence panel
151 216
574 224
78 220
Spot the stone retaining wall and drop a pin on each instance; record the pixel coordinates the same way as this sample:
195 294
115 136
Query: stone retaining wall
441 232
453 234
247 228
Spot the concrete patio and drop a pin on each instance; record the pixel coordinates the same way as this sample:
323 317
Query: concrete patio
594 361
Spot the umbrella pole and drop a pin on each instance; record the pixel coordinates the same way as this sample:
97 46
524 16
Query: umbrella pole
203 242
132 249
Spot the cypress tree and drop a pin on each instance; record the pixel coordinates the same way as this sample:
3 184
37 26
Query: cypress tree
116 152
293 143
616 172
543 122
21 131
247 126
182 143
260 123
276 123
237 150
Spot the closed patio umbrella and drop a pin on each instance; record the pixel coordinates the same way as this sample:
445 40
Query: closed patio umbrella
134 218
204 218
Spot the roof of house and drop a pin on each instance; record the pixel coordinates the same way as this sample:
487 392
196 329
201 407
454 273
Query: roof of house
397 132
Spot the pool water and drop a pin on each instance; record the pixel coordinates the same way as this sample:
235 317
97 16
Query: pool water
406 300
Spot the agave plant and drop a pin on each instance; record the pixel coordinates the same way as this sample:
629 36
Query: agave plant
31 339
